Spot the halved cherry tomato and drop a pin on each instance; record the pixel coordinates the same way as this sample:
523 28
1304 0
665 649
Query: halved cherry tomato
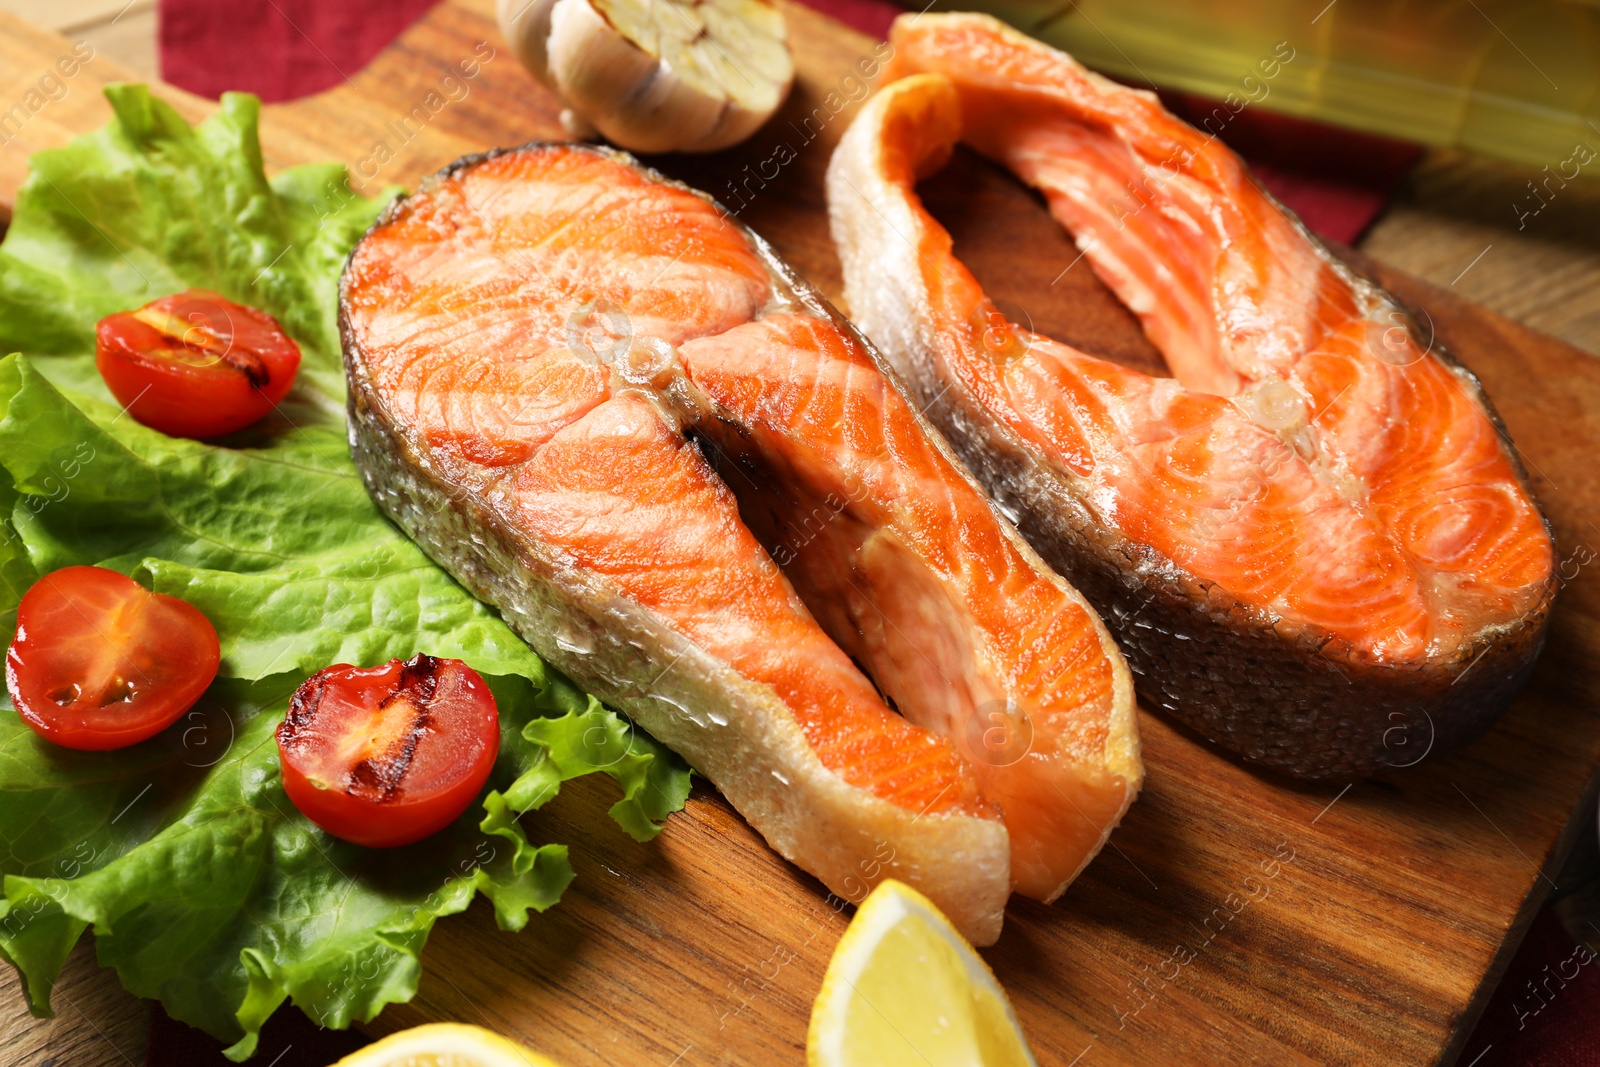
385 756
194 364
101 662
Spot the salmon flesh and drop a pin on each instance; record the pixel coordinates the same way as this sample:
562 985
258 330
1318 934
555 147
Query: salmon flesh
1315 542
615 414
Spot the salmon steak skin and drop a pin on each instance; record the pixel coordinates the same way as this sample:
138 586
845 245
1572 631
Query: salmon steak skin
1315 542
612 412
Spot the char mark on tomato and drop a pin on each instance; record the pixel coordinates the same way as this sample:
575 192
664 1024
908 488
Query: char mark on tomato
377 777
384 756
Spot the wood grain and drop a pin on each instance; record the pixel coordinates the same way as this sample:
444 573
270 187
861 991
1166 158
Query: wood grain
123 30
97 1023
1233 918
1471 224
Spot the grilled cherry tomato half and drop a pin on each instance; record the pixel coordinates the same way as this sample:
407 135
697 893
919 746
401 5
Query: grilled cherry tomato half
384 756
101 662
194 364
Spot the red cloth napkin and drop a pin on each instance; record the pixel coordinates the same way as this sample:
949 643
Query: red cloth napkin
277 49
1337 181
1546 1010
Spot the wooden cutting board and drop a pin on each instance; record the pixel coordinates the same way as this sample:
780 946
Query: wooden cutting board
1233 917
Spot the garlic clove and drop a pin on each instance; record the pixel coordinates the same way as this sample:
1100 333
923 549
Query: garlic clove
657 75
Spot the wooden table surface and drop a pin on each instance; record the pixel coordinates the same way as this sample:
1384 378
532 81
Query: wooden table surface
1405 894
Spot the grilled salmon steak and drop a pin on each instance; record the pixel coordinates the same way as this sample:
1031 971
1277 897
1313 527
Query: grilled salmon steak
1314 542
614 413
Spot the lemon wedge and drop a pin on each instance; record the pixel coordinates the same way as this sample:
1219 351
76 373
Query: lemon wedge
904 989
445 1045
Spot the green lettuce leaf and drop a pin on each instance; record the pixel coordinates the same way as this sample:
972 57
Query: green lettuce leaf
280 546
203 885
150 205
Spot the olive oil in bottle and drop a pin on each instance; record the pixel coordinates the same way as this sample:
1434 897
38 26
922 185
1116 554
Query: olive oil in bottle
1518 79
